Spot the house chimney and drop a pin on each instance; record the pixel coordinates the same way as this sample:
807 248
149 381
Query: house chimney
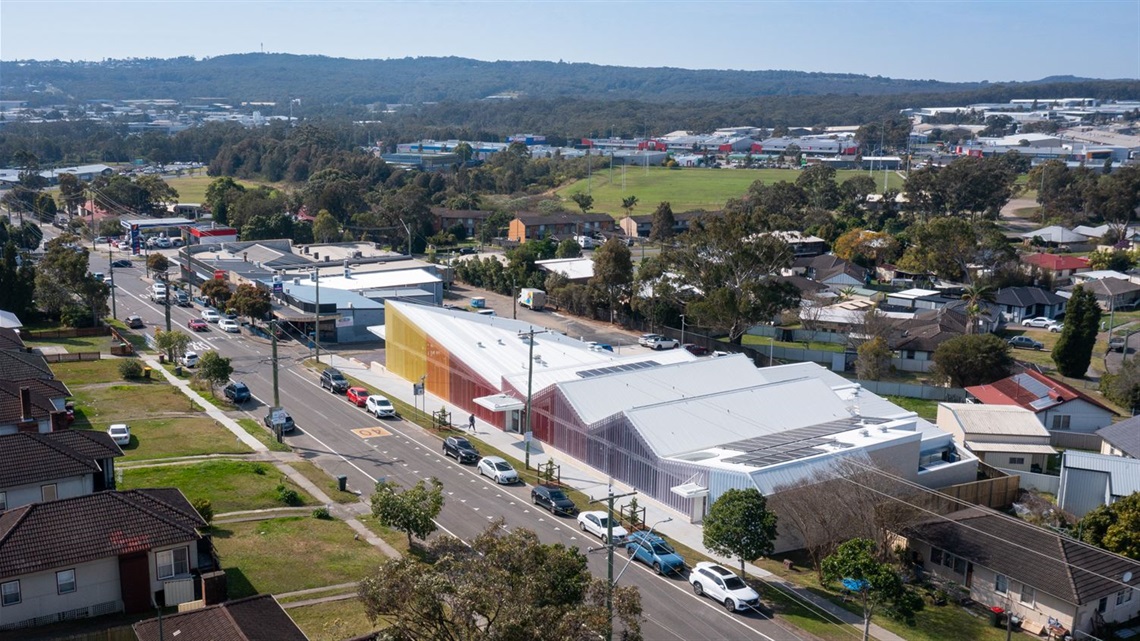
26 403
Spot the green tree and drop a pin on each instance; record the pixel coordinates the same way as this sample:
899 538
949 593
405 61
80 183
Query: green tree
62 280
472 593
613 271
248 300
464 151
585 201
17 283
943 246
628 203
220 196
411 511
973 359
663 223
877 584
325 227
739 524
174 343
110 227
1073 352
1115 260
1123 387
874 360
71 192
215 369
157 263
1115 527
818 182
217 292
568 248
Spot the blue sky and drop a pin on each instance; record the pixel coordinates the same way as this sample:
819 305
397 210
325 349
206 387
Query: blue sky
945 40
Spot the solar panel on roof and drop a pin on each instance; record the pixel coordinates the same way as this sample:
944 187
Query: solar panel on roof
1032 385
624 367
771 449
1043 403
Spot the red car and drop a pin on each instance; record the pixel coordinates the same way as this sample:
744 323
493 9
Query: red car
358 396
198 325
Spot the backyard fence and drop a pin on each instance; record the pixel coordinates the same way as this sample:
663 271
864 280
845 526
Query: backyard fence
1074 440
997 493
67 332
71 357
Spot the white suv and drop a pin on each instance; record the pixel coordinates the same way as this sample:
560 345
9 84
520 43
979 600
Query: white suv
720 584
158 293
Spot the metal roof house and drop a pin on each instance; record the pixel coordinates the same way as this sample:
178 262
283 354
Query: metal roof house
1121 439
1058 406
1004 436
1090 480
679 428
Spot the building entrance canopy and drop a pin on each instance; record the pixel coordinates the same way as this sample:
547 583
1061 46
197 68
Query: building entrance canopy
499 403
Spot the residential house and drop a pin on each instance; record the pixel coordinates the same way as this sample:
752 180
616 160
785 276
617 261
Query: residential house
1081 278
1059 407
1020 303
917 338
830 270
19 366
57 465
641 225
114 551
1121 439
25 410
1114 294
896 275
561 225
803 245
808 287
255 618
1056 268
470 219
1090 480
10 339
1057 236
1003 436
8 320
1032 572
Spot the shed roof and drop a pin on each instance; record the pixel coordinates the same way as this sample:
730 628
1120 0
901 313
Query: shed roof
1124 473
1055 234
571 268
359 281
995 420
1124 436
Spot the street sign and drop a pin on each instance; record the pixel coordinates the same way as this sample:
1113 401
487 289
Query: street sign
277 415
528 437
219 274
278 287
418 389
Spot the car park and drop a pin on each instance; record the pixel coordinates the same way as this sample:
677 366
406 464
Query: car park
198 324
1040 321
120 433
722 585
1026 343
653 551
552 499
190 359
597 523
498 469
461 449
134 321
334 381
237 392
286 424
211 316
695 350
358 396
661 342
379 406
229 325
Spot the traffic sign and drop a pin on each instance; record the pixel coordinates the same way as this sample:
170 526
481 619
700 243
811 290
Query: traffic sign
277 415
278 287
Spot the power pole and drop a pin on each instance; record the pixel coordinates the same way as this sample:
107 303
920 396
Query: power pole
609 500
317 313
111 271
529 386
276 393
166 301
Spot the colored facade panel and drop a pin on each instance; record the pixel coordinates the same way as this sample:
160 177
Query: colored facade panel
405 346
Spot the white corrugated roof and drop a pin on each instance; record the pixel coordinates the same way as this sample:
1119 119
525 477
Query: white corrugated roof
1123 472
996 420
380 280
547 376
571 268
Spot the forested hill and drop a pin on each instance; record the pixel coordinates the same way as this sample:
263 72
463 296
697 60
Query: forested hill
324 80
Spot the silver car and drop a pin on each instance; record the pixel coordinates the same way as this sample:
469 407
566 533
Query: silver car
498 469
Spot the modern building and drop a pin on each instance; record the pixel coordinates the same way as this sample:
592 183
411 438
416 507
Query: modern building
679 428
1090 480
1003 436
1059 407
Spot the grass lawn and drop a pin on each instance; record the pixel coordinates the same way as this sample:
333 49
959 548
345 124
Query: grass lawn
192 189
230 486
76 344
686 189
332 621
262 434
396 539
88 372
321 479
105 404
925 408
263 556
764 341
171 437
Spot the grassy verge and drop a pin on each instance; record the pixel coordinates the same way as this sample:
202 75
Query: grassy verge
925 408
260 433
319 594
262 556
397 540
172 437
764 341
333 621
76 344
230 486
120 402
321 479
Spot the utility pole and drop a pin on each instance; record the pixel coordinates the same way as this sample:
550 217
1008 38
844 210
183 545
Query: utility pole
317 313
529 386
276 393
189 270
682 329
111 271
166 300
609 500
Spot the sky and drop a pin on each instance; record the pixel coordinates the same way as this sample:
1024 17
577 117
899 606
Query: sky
949 40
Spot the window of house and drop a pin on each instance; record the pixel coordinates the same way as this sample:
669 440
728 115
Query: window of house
172 563
1028 595
1061 422
65 581
47 492
1001 583
1102 605
10 593
936 556
1124 596
1017 460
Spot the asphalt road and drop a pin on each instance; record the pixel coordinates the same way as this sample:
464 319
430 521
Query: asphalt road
397 450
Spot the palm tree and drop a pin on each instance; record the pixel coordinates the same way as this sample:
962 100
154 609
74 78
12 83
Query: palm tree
628 203
975 295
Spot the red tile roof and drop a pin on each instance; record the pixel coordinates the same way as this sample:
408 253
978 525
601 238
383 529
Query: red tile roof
1055 262
1021 390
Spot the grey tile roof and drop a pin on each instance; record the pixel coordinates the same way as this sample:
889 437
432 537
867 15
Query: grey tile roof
11 408
1070 570
1026 296
10 339
91 443
93 526
826 266
34 458
1124 436
255 618
1110 286
17 366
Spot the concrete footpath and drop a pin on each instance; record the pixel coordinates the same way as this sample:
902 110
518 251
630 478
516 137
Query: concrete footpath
578 475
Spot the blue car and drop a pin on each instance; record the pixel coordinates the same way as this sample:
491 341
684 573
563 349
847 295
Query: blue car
652 550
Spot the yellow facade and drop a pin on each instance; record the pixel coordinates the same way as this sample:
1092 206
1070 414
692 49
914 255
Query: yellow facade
410 353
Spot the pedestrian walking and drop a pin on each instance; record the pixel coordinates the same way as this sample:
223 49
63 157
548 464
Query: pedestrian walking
471 423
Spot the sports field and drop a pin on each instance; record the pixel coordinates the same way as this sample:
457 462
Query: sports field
193 189
689 188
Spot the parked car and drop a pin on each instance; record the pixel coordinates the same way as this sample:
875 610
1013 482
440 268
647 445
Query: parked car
1040 321
1117 344
229 325
120 433
99 276
122 263
646 340
721 584
498 469
1057 328
181 298
653 551
211 316
1026 342
334 381
134 321
661 342
163 243
461 449
552 499
597 522
190 359
358 396
696 350
599 347
379 407
198 324
237 392
287 424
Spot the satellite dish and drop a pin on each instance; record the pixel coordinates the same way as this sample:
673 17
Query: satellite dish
1127 577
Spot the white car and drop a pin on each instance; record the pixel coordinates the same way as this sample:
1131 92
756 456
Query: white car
120 433
661 342
597 523
190 359
498 469
379 406
1040 321
229 325
210 316
647 340
720 584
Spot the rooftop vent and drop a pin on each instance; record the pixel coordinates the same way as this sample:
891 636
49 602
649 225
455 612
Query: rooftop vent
479 343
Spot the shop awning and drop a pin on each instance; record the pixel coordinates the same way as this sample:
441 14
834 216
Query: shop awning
500 402
689 490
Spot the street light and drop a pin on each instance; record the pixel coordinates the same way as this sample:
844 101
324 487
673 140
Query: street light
682 329
610 582
529 334
613 581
